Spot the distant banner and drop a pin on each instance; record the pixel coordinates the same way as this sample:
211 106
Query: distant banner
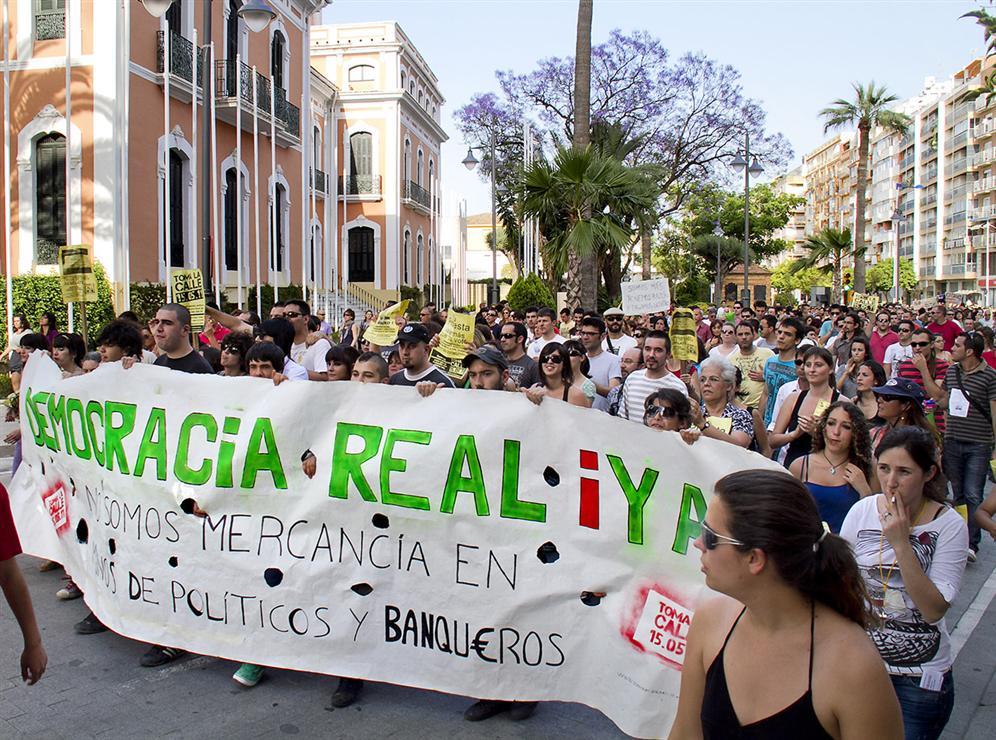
457 333
504 560
188 291
646 296
76 276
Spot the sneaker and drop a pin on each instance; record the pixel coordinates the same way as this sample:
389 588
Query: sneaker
485 709
158 655
972 555
248 675
346 692
48 565
69 592
89 625
521 710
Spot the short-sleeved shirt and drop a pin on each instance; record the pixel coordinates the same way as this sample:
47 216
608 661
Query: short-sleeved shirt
524 371
189 363
10 545
537 345
880 343
638 386
776 374
980 388
750 390
908 370
602 369
430 374
908 644
949 330
620 345
312 358
741 419
896 353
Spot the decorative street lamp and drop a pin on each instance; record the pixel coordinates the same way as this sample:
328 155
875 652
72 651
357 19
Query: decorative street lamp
470 162
256 13
896 218
157 8
739 165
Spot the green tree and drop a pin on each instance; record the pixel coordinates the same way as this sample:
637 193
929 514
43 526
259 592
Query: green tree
529 291
987 21
829 247
789 276
879 278
869 108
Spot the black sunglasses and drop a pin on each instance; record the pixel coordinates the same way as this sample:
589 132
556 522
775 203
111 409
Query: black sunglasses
920 344
575 353
711 539
886 397
507 336
555 359
666 411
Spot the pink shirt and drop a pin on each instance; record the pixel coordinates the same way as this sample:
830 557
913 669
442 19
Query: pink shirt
879 343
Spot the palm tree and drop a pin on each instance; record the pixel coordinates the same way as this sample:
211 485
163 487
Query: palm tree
585 204
868 109
987 21
582 280
830 245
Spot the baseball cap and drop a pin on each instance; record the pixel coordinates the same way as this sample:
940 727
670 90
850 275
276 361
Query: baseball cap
612 312
487 354
901 388
413 333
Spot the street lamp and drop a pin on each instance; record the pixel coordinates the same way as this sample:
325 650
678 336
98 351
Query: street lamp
896 218
256 13
739 165
157 8
470 162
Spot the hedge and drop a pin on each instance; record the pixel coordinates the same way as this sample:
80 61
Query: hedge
530 291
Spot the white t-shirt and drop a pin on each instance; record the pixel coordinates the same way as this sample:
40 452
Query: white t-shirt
293 371
896 353
149 358
537 345
311 358
638 386
620 345
908 644
602 369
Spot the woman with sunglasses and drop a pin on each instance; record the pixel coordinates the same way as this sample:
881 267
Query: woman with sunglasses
669 410
911 549
870 375
234 348
783 652
838 472
900 404
581 367
798 415
847 374
718 417
556 377
727 341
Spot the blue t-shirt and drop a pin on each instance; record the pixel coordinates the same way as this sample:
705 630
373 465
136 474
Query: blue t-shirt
826 327
776 374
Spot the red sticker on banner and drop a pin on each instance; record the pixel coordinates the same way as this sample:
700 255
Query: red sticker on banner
57 506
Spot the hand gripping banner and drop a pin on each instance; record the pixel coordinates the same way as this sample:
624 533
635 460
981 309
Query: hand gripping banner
470 542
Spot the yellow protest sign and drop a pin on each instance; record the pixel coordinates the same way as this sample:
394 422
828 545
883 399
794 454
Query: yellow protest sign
453 339
723 424
684 344
188 290
384 331
76 277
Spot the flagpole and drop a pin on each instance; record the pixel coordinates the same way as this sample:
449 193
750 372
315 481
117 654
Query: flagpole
255 188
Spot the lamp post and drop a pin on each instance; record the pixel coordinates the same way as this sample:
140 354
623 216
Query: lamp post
717 231
470 162
896 218
739 165
984 223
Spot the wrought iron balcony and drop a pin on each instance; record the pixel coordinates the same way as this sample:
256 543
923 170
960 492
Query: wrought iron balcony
360 185
286 111
319 181
418 194
225 80
181 59
226 77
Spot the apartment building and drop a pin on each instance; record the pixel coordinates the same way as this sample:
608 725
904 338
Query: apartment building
389 135
794 232
127 138
826 174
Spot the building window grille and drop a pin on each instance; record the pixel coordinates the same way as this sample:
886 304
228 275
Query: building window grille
50 19
50 197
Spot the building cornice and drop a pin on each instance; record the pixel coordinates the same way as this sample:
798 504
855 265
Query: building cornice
404 99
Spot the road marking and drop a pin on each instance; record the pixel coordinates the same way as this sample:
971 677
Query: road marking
970 619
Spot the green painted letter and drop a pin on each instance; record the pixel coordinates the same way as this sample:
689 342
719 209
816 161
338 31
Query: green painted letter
262 455
688 528
465 450
114 435
637 497
389 464
346 465
184 473
512 507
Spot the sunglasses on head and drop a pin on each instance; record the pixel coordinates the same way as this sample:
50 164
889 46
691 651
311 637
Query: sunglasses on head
666 411
711 539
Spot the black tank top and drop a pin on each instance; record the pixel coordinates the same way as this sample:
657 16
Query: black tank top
802 445
719 719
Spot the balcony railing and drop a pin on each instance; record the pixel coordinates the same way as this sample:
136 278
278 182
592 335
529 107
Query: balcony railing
181 57
319 181
415 192
927 271
983 185
360 185
286 113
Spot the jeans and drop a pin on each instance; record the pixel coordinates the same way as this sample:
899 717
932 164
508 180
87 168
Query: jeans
924 712
966 465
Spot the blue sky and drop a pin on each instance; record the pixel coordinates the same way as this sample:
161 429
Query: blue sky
794 56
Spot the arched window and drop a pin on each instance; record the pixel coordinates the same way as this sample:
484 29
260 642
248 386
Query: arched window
177 225
403 77
231 221
316 147
361 254
280 197
420 97
418 168
50 197
362 73
277 60
411 88
408 162
419 255
406 258
361 154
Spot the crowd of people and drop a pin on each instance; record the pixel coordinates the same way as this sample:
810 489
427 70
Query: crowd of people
883 421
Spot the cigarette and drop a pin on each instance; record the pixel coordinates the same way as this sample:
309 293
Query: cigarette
893 499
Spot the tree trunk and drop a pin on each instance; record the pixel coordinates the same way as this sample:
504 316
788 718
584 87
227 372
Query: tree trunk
859 208
573 281
612 277
645 251
836 287
587 266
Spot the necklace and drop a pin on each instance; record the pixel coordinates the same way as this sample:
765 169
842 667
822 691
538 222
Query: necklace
833 467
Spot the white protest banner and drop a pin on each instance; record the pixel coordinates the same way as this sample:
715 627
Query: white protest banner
516 559
645 296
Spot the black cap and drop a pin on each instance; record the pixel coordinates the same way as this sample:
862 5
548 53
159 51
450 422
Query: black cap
413 333
487 354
